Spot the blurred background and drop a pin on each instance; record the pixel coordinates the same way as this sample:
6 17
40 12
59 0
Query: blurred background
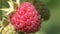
52 26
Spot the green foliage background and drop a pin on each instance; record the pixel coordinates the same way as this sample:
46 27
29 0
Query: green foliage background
52 26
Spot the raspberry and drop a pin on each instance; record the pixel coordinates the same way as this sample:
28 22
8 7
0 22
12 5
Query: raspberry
26 18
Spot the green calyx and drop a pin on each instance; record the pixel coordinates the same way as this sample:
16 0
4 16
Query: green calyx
13 6
6 12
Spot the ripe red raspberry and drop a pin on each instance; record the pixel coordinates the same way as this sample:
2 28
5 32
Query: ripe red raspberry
26 18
